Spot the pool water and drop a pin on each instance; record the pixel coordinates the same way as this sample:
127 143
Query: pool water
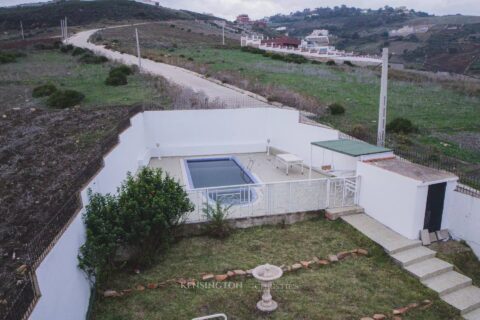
217 172
225 175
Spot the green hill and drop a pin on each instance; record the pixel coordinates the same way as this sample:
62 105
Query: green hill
85 12
452 43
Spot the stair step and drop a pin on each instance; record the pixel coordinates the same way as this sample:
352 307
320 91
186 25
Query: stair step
335 213
413 255
448 282
429 268
465 300
473 315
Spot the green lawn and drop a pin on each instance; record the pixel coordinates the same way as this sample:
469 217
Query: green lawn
351 289
65 72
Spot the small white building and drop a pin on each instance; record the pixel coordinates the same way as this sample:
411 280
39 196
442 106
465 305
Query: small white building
406 197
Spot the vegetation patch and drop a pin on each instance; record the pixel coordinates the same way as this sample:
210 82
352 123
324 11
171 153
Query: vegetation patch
90 58
9 57
401 125
44 90
142 218
65 99
336 109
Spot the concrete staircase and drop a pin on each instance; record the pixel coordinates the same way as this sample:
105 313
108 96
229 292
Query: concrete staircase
438 275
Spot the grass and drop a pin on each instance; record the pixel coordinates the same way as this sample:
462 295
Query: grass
65 72
351 289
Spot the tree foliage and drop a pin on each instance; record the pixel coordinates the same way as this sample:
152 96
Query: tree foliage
217 225
142 217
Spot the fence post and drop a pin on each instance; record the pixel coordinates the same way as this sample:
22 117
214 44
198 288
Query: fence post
289 197
343 191
327 203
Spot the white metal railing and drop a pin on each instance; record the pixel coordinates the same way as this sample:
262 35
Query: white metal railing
262 199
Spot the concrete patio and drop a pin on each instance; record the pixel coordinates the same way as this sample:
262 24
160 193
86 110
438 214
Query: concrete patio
261 165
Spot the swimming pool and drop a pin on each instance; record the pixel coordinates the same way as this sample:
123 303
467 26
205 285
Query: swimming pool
223 176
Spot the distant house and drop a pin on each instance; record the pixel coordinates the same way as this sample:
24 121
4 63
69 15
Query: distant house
283 41
243 19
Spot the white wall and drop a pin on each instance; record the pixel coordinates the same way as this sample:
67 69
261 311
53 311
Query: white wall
394 200
203 132
338 161
288 134
463 219
65 291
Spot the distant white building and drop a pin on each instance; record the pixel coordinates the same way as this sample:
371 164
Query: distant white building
318 40
408 30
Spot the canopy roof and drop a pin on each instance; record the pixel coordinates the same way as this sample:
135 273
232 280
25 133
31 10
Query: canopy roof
352 148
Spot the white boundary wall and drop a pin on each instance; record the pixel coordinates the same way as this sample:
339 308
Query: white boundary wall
65 291
464 219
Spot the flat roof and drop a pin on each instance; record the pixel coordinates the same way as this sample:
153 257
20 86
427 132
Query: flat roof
352 148
413 170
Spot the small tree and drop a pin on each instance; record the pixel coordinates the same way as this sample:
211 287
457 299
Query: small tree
217 224
104 236
152 206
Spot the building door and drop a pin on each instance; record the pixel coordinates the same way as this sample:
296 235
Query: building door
434 209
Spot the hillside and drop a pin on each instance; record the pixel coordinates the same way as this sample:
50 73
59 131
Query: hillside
446 43
85 12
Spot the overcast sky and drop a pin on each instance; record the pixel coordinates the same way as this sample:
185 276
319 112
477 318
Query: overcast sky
260 8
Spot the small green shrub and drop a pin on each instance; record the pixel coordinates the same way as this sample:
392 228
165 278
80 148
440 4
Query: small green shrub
116 79
123 69
336 109
316 62
401 125
78 51
66 48
295 58
217 225
89 58
190 59
330 63
65 99
360 132
253 50
348 63
9 57
44 90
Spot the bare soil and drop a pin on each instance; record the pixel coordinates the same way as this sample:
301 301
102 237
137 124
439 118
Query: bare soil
41 154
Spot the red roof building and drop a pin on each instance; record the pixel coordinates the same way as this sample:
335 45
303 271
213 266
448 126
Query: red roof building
283 41
243 19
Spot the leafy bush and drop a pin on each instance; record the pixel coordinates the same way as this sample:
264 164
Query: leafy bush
401 125
9 57
360 132
44 90
330 63
65 99
295 58
123 69
316 62
92 59
143 216
253 50
78 51
348 63
336 109
66 48
217 225
116 79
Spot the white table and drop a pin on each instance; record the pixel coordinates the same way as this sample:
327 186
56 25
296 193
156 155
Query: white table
288 160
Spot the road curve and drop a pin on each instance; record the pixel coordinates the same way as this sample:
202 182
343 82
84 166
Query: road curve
230 96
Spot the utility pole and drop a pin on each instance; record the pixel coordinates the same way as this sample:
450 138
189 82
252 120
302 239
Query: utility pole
66 29
21 29
138 50
62 30
382 110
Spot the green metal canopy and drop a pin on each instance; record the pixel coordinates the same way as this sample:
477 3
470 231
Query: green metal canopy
350 147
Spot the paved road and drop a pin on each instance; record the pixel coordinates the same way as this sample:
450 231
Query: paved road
179 76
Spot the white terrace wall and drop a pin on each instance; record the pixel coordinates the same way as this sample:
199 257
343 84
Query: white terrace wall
65 291
464 219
